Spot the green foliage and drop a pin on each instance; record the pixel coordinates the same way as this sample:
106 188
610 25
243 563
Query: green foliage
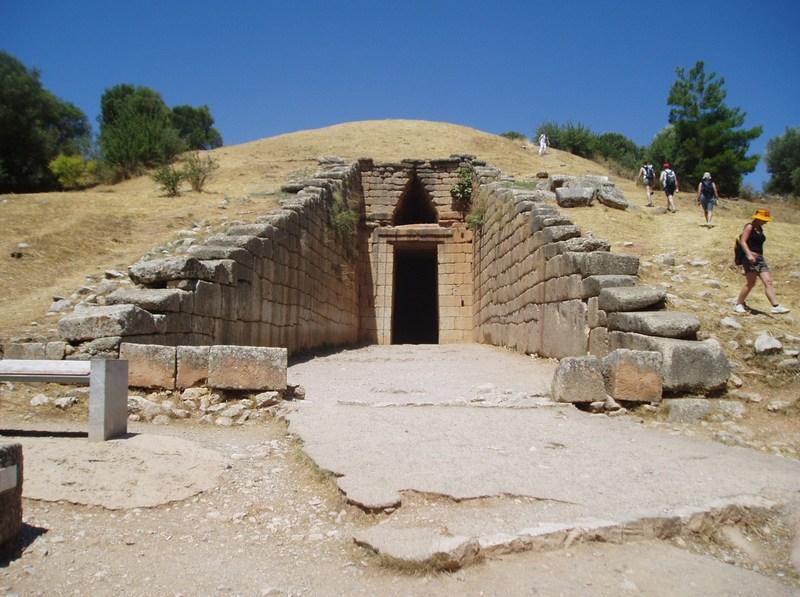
195 127
707 132
477 211
73 171
169 179
343 218
196 170
462 190
783 163
574 138
513 135
135 130
35 126
580 140
664 147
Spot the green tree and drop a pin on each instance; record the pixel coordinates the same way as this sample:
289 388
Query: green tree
35 127
707 132
617 147
783 163
195 127
136 130
574 138
663 148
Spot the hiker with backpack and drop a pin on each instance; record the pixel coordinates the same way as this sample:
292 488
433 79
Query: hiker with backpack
669 182
707 197
648 175
753 265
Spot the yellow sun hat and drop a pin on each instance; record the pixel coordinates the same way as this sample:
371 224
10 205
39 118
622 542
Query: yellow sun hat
762 214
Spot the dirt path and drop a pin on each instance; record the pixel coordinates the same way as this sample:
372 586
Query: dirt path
269 522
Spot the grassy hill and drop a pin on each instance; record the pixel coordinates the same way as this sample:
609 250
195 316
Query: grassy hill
74 235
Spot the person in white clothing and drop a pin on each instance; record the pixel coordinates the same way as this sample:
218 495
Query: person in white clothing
542 144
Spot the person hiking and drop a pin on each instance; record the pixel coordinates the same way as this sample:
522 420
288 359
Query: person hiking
648 175
542 144
707 197
669 182
754 266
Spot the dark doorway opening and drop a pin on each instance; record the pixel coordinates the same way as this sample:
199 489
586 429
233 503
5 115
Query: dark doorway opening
415 303
415 205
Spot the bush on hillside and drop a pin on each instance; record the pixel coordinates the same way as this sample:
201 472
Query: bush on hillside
197 169
73 171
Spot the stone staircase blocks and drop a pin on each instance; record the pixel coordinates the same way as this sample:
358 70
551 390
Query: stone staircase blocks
211 252
664 324
594 284
636 298
158 272
159 300
604 263
574 197
101 322
688 366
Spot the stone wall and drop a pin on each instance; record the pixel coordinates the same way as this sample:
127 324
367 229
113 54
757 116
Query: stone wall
542 288
289 279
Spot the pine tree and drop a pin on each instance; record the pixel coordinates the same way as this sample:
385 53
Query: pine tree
708 136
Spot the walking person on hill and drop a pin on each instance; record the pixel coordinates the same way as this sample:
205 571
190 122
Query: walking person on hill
542 144
707 197
669 182
754 266
648 175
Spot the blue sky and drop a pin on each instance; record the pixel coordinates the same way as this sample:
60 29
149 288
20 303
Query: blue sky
266 68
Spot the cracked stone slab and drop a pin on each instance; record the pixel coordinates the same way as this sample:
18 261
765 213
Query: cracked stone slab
420 547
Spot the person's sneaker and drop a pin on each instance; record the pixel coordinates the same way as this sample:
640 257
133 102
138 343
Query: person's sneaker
779 309
739 308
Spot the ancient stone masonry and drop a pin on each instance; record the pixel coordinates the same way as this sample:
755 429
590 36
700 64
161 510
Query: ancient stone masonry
382 253
542 288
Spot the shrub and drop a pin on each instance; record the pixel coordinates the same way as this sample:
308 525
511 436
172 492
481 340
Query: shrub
513 135
197 169
169 179
73 171
462 190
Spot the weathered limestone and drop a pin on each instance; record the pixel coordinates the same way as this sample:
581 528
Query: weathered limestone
100 322
574 197
247 368
633 376
10 491
151 365
578 379
656 323
689 366
631 299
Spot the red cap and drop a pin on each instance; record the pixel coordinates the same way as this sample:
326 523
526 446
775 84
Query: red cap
666 165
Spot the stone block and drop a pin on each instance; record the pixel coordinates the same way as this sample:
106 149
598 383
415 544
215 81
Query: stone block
603 263
25 350
10 491
594 284
564 329
688 366
577 197
656 323
158 271
247 368
99 322
55 350
159 300
598 342
192 366
631 299
578 379
633 375
149 365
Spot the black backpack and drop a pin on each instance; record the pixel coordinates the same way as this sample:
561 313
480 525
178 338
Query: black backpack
708 187
669 178
738 251
649 173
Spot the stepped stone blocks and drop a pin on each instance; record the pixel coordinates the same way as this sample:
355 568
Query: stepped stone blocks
541 287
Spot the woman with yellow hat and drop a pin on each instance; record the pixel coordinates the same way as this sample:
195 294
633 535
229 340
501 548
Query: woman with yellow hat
754 266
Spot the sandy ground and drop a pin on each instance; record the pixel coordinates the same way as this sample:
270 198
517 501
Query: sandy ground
185 509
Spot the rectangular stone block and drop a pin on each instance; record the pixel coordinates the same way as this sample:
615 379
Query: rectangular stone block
192 366
633 375
247 368
150 365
